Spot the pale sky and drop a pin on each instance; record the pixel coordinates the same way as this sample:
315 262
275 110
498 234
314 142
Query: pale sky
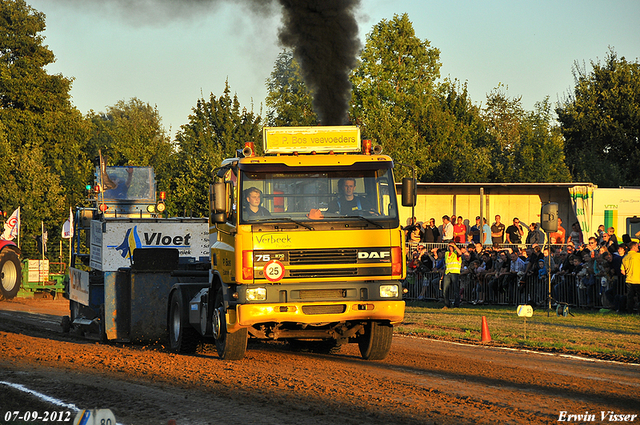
169 53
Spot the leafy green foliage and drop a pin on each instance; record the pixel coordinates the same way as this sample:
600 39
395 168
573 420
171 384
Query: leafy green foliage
44 138
432 127
436 128
288 100
216 128
131 133
525 146
394 95
467 156
601 122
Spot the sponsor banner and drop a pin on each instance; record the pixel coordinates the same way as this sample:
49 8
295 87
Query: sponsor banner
113 243
308 139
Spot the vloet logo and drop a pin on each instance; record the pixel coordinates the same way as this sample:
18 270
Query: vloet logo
166 240
132 241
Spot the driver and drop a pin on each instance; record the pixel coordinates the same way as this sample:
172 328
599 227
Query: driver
347 202
252 208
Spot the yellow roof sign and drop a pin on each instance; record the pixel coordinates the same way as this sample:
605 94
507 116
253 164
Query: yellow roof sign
311 139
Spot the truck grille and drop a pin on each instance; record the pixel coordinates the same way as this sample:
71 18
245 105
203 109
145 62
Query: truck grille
322 273
323 256
324 309
319 294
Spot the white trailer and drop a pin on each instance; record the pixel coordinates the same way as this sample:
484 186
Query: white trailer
618 208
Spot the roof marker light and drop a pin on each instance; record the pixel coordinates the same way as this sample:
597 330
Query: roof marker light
366 147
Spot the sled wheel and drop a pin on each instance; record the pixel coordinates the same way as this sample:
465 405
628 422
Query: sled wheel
182 337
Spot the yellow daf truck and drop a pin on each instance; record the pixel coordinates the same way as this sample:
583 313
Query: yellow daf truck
306 247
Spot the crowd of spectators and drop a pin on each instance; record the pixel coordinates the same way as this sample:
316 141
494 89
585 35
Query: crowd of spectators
512 266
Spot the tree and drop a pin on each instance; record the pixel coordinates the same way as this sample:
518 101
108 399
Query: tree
288 100
394 94
542 148
397 100
45 136
216 128
526 147
131 133
40 195
600 121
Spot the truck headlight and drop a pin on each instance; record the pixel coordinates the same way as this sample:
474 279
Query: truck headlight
256 294
389 291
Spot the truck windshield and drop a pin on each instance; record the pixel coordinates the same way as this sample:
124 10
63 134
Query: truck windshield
318 194
128 183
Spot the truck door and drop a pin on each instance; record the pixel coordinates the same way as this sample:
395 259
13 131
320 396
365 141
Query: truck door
225 247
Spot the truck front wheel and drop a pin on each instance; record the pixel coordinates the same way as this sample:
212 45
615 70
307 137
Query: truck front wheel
230 346
376 341
10 274
182 337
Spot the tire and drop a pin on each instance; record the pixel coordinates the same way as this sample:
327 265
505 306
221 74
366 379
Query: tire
376 342
74 311
230 346
10 274
66 324
102 325
182 337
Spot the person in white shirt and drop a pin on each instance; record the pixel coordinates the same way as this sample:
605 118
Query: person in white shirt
447 229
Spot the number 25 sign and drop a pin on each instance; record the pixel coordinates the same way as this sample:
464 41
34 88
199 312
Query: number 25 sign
273 270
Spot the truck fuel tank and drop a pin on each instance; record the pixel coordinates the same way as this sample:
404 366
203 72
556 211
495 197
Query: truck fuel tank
198 312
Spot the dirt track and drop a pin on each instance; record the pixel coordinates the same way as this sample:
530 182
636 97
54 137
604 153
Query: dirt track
422 381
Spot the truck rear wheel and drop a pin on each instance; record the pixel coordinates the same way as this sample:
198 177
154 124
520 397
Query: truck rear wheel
10 274
182 337
230 346
376 342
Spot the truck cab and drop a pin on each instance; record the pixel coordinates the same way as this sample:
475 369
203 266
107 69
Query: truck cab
306 245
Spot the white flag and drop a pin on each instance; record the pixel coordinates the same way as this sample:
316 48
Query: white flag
12 226
67 227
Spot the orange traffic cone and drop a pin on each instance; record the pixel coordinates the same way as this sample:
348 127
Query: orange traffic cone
486 336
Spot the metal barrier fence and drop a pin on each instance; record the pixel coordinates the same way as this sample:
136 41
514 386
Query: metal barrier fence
509 290
422 285
411 246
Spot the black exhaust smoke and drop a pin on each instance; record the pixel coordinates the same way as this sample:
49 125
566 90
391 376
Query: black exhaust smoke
323 35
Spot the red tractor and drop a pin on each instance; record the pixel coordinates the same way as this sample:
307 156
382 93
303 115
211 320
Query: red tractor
10 269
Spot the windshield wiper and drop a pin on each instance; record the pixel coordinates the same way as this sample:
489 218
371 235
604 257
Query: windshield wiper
288 219
380 226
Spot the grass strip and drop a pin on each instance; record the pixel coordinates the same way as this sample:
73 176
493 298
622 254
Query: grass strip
593 333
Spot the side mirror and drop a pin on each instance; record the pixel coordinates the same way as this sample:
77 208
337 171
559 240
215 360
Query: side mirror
218 202
409 190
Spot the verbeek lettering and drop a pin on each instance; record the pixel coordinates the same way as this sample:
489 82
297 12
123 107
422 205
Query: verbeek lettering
274 239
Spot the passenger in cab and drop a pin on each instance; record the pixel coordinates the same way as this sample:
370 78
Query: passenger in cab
252 208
